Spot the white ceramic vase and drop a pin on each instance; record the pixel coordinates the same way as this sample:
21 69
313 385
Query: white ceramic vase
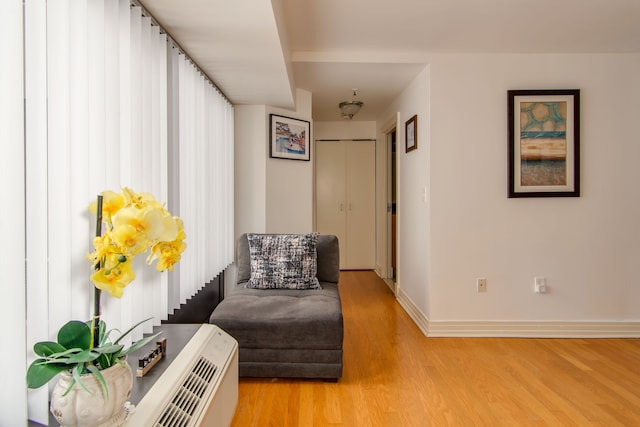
81 409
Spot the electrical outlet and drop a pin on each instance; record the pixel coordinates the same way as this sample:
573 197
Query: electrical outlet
481 284
540 285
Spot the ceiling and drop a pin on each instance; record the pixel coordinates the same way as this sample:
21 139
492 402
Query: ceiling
259 51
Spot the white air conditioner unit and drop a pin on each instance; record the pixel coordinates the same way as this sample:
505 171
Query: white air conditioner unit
199 388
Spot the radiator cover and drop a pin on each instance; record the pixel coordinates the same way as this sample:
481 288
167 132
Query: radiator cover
199 388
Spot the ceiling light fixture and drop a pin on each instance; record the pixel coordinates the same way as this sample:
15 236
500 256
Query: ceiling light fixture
350 108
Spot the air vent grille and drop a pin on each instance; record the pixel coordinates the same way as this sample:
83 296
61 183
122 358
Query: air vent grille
187 398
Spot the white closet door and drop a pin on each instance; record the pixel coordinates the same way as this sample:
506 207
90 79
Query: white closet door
331 192
360 203
345 199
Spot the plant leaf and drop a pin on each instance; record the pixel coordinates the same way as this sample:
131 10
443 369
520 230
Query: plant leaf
95 371
64 353
63 361
109 349
39 374
140 343
83 357
47 348
105 337
101 328
76 379
105 361
131 329
75 334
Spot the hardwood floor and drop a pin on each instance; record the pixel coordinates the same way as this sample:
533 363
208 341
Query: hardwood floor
395 376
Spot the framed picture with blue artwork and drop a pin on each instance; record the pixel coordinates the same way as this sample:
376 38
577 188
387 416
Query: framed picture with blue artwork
290 138
544 143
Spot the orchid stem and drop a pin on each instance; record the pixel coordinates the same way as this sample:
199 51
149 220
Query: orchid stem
95 321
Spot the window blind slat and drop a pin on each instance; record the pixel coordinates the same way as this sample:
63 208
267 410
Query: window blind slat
12 263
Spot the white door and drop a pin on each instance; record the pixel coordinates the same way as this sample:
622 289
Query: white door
331 192
345 199
360 229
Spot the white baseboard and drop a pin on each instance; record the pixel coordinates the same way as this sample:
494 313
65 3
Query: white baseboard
517 329
390 282
414 312
378 270
534 329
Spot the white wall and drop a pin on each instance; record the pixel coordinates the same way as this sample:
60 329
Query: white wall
250 169
289 183
586 247
345 129
412 276
271 195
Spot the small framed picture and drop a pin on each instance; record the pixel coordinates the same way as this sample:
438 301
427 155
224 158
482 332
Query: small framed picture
290 138
544 143
411 134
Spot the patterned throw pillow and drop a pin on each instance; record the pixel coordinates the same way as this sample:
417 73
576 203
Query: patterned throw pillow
283 261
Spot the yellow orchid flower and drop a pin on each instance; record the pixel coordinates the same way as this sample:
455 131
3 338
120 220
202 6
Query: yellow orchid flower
104 248
114 276
111 204
152 222
170 227
169 253
129 240
135 222
140 200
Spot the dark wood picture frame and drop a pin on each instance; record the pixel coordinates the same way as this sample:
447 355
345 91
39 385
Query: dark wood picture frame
290 138
543 143
411 134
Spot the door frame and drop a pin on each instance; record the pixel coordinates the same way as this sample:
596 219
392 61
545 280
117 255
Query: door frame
384 180
391 171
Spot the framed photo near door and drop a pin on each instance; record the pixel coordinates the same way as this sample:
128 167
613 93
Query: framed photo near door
544 143
411 134
290 138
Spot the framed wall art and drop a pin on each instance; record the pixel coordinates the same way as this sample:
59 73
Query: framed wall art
411 134
290 138
544 143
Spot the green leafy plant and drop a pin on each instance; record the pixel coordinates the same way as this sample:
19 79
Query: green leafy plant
74 353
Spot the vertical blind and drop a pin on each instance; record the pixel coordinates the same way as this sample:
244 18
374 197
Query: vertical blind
12 215
112 102
206 174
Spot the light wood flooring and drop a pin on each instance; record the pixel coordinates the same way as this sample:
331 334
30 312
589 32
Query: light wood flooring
395 376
